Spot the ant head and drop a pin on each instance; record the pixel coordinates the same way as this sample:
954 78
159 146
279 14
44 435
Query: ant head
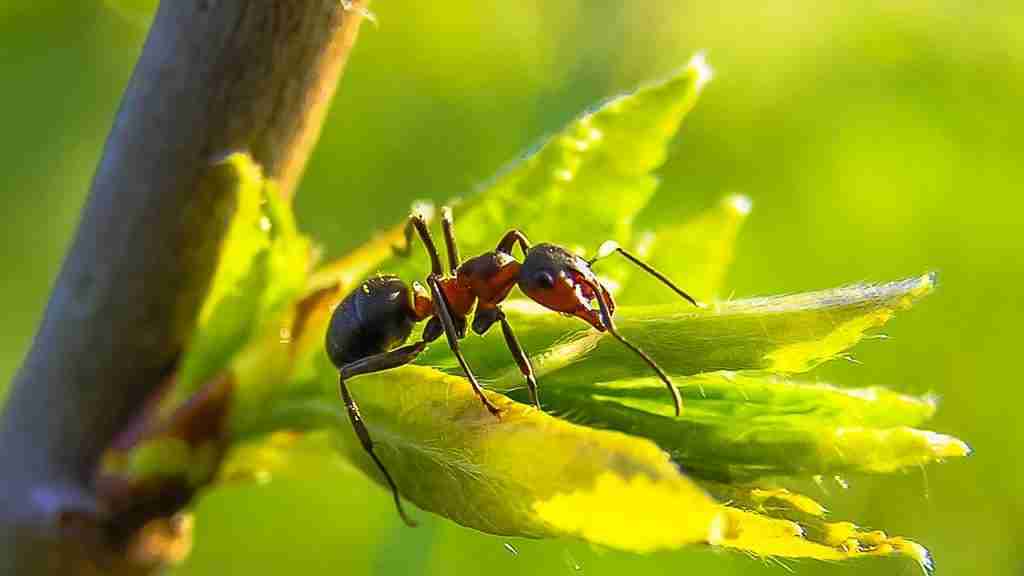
562 281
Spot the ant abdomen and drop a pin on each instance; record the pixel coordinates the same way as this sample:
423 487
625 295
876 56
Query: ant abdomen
374 318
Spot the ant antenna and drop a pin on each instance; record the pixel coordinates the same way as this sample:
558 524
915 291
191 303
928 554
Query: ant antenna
612 246
606 318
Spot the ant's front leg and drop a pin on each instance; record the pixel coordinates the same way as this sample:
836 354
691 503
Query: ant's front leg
521 360
484 318
376 363
606 307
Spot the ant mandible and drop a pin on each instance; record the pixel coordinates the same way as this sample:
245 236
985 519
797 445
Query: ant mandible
369 326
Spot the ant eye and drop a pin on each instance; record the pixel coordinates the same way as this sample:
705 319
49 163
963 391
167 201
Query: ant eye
544 279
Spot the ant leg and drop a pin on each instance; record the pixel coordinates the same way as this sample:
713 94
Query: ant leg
449 239
510 239
376 363
520 357
612 246
417 224
364 438
441 311
606 319
384 361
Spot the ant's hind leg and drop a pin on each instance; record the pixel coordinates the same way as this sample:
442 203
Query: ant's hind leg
449 239
510 239
417 224
376 363
364 437
384 361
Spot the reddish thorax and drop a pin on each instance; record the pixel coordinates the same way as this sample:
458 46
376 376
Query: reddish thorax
485 280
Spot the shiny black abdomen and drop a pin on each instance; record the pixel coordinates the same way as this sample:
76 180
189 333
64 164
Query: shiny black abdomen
374 318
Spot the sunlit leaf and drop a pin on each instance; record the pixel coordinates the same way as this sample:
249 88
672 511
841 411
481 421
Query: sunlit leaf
784 334
584 184
228 313
740 427
527 474
263 264
695 254
773 537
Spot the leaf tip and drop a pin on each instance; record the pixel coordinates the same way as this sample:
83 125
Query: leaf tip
699 66
915 552
241 162
945 446
738 204
926 284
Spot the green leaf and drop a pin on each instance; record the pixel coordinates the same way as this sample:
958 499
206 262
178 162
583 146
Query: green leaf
263 265
137 11
289 258
695 254
776 522
227 315
761 522
745 426
585 184
784 334
527 474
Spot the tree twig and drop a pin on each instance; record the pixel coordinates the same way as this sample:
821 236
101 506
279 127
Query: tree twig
213 77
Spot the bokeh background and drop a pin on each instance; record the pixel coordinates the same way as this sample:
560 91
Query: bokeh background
876 139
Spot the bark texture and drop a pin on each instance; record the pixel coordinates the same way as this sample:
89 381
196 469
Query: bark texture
215 76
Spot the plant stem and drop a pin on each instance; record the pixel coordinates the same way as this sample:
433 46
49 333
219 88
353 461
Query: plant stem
213 77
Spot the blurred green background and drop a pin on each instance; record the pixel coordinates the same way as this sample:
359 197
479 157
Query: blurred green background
877 140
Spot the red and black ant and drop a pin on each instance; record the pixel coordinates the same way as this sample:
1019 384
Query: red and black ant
369 326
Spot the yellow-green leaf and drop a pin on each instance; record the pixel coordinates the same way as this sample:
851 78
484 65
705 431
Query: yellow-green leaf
527 474
695 254
741 426
784 334
774 522
263 265
583 185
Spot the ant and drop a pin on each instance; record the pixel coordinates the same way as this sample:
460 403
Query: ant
369 326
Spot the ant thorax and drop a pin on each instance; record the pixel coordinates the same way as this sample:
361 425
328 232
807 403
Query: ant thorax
489 277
